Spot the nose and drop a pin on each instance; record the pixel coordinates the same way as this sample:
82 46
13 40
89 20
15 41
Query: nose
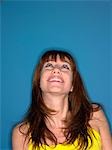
56 70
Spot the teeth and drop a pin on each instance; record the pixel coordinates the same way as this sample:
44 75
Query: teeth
55 79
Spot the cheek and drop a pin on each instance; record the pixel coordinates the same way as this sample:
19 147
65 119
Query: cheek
69 80
43 79
42 76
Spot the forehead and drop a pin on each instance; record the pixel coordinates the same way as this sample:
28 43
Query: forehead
57 57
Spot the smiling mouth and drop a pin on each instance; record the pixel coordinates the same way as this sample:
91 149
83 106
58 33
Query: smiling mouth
55 79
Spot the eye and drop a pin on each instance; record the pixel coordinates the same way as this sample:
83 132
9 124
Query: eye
65 67
48 66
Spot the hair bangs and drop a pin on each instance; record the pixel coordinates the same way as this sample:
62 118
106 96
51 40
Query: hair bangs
53 55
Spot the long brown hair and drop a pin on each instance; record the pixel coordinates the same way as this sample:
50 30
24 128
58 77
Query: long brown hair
79 106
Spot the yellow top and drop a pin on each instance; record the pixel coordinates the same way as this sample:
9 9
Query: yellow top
95 146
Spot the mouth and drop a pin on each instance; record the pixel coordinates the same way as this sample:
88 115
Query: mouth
55 79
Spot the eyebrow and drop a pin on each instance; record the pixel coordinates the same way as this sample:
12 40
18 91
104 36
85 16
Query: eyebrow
55 61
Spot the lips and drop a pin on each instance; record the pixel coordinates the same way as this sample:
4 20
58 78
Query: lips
55 79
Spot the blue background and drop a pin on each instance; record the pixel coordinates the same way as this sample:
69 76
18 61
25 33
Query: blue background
28 28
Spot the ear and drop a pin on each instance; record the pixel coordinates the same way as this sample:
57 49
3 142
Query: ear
71 89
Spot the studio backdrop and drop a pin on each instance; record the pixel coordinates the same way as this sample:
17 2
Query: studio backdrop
29 28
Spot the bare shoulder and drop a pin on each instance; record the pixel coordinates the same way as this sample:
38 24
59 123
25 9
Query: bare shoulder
100 123
99 116
21 128
18 137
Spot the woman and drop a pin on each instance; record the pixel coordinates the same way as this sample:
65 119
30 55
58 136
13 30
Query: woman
61 116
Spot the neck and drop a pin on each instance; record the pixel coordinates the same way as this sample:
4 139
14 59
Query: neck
58 103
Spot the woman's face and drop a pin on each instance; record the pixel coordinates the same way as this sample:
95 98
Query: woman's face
56 77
